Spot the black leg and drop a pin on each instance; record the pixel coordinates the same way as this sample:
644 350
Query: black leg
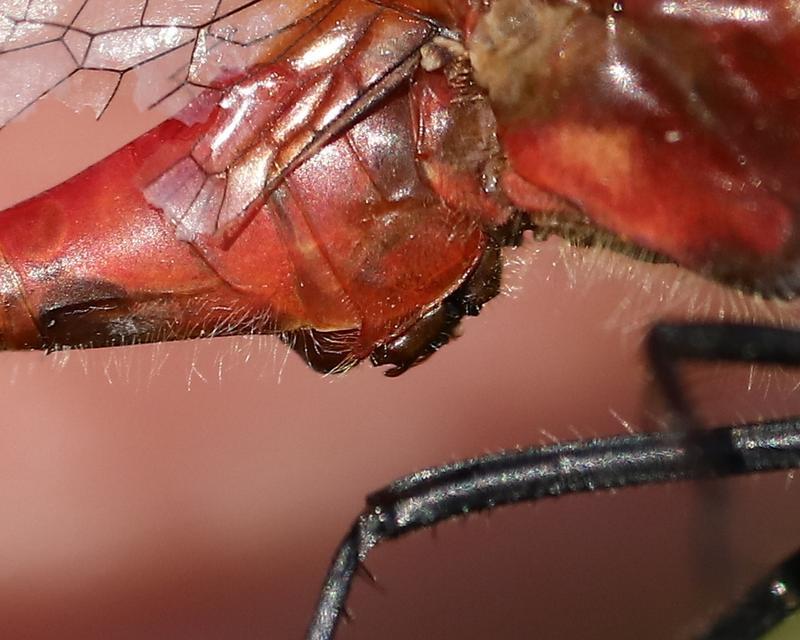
426 498
766 605
667 346
670 343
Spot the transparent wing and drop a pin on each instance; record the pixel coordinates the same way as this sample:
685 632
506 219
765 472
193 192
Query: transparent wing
280 79
82 50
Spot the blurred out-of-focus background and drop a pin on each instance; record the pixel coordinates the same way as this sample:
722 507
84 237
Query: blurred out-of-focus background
197 490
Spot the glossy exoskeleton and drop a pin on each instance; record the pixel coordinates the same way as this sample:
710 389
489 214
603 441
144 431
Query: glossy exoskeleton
346 174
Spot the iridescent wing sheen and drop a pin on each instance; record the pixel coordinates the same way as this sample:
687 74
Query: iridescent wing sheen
70 47
673 126
81 48
286 192
286 110
289 76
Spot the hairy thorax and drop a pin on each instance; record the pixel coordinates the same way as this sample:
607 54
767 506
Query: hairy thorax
675 129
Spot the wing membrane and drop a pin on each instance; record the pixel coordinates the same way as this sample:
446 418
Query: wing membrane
46 44
281 79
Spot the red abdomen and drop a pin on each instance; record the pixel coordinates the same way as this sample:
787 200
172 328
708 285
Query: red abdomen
355 174
352 240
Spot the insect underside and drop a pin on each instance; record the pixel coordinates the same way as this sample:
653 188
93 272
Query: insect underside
347 175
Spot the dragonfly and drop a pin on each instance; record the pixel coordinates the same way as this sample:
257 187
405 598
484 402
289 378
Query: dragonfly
195 230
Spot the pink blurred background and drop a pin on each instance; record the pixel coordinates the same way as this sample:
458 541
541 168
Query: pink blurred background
197 490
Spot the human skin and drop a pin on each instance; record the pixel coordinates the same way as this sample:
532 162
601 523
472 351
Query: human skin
146 494
146 504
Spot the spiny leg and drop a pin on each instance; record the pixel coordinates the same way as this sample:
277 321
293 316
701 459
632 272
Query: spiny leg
429 497
668 345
